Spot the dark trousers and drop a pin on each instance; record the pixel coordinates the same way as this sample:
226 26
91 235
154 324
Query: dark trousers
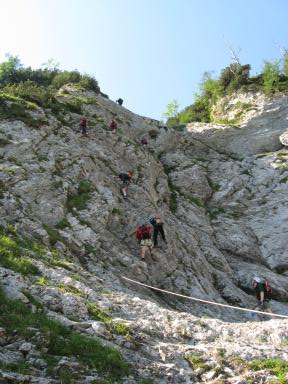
158 229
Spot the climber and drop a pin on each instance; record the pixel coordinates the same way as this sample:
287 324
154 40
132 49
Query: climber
262 290
143 236
158 227
126 179
113 126
119 101
83 126
144 141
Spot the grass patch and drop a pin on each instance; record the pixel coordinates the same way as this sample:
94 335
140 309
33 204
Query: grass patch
120 329
214 212
70 289
173 205
32 299
214 186
14 257
22 368
96 313
116 211
146 381
197 362
53 235
16 108
196 201
61 341
62 224
169 168
80 199
42 281
277 367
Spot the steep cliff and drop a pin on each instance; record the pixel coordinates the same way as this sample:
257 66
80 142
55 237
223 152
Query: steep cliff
68 236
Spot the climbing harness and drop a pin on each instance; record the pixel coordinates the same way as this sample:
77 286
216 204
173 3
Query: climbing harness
205 301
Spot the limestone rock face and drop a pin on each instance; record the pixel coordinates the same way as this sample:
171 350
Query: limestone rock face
221 191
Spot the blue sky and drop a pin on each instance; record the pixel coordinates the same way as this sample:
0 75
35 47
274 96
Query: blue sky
148 52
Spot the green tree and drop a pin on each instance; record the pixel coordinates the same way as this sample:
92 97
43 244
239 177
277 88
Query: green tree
172 110
285 64
271 76
9 69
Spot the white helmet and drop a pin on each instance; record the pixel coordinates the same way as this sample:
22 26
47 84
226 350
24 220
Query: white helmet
257 279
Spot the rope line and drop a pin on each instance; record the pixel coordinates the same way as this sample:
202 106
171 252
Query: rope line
205 301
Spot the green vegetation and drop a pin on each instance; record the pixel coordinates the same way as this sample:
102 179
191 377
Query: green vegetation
16 108
214 212
66 288
277 367
42 281
197 362
172 197
120 329
235 77
196 201
80 199
96 313
13 72
62 224
15 256
17 253
53 234
146 381
32 300
60 341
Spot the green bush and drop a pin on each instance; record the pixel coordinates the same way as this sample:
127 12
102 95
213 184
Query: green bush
65 77
90 83
31 91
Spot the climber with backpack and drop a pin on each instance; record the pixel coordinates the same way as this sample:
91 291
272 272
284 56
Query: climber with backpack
113 126
143 236
157 223
126 180
263 291
83 126
119 101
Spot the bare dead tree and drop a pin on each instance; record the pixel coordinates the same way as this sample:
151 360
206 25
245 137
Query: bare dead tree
283 50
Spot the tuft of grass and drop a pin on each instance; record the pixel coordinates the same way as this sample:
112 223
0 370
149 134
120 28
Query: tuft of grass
60 340
62 224
197 362
32 300
277 367
53 234
42 281
173 204
70 289
80 199
120 329
14 257
146 381
16 108
96 313
213 213
196 201
169 168
214 186
22 368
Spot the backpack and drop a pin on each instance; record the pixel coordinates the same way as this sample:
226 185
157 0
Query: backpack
143 232
268 288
